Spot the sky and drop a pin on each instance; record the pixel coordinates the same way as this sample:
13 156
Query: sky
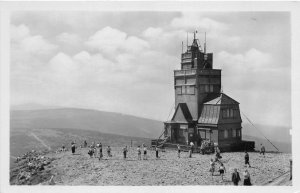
124 61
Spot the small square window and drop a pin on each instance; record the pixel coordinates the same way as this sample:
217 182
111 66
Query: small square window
178 90
233 133
225 133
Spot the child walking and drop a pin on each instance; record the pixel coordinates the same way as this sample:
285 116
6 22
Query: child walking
178 151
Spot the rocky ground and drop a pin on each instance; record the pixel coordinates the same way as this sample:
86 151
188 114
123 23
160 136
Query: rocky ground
80 169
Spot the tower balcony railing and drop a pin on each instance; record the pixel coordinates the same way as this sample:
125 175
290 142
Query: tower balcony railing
184 72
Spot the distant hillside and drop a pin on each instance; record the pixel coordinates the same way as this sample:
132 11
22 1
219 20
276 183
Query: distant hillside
116 123
84 119
279 136
23 140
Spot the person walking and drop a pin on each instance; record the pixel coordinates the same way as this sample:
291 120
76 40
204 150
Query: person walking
125 152
247 181
262 150
139 153
235 177
178 150
222 170
212 166
247 159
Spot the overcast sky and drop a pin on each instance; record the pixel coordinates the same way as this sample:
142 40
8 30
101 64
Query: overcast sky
124 61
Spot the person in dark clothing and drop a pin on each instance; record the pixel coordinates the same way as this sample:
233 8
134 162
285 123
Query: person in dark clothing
247 181
91 152
100 152
178 148
247 159
84 144
125 152
108 149
156 152
73 148
235 177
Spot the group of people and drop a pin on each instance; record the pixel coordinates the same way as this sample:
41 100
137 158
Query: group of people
235 177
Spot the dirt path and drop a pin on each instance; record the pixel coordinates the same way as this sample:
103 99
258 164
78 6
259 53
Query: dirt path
40 140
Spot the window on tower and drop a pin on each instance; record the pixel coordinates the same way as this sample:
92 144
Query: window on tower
190 89
225 133
178 90
211 88
233 133
206 88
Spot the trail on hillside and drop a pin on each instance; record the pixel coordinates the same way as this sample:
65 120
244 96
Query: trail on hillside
40 140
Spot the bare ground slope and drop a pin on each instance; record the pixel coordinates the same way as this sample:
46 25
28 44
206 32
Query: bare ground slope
80 169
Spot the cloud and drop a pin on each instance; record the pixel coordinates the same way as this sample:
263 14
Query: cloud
253 60
193 21
69 38
18 33
26 43
111 41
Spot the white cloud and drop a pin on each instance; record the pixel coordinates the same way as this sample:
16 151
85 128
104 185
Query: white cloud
24 42
111 41
252 59
18 33
69 38
194 20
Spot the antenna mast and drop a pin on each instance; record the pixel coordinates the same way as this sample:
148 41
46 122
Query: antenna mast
187 40
205 44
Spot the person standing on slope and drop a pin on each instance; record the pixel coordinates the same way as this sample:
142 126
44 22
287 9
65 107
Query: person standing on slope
212 166
73 147
222 170
139 153
247 159
108 151
145 152
178 149
125 152
156 152
262 150
247 181
100 152
235 177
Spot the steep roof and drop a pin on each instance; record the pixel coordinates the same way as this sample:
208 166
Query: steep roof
210 113
223 99
182 113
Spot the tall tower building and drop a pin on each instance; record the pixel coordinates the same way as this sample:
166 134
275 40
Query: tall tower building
202 111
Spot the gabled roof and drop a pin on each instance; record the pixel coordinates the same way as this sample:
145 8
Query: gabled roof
182 113
223 99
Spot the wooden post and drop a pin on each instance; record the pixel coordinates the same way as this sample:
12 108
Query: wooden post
291 163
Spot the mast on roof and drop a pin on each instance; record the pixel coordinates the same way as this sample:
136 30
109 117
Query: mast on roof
205 43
